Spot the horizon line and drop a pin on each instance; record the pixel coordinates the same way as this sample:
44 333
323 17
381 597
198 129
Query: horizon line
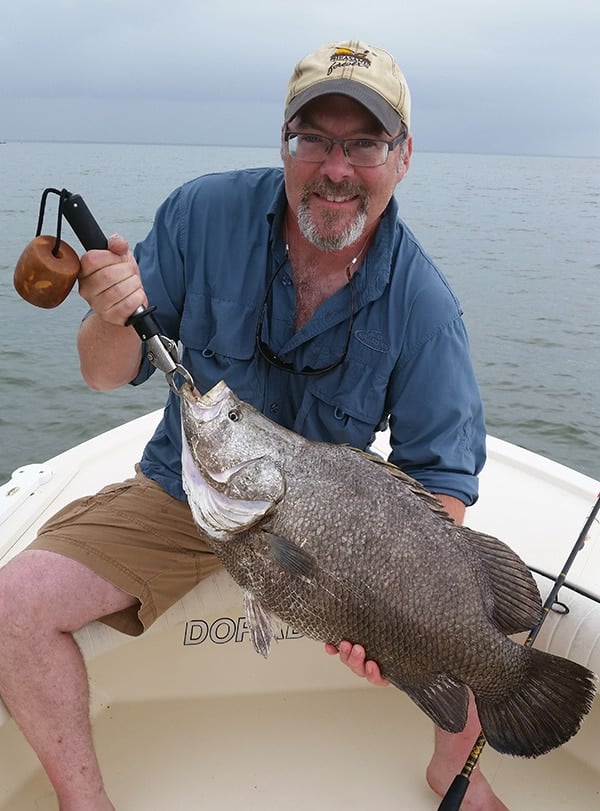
276 146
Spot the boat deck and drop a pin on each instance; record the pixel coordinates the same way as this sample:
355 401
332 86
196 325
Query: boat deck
329 751
208 725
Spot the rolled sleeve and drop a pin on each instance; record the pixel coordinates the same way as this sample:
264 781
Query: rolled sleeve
436 416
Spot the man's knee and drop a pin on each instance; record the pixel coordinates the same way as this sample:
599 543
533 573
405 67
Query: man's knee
25 590
53 591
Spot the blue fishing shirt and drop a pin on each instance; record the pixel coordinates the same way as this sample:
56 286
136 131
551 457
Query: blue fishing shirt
215 244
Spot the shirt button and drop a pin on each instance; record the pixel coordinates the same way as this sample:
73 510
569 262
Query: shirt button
274 408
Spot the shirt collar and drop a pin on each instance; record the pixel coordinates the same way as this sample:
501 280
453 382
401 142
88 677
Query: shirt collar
374 272
275 215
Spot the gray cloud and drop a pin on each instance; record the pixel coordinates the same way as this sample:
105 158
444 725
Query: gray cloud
516 77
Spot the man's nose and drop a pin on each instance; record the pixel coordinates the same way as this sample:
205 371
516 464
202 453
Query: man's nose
336 165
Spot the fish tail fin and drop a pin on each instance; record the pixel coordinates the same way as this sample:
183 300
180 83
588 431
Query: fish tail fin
541 712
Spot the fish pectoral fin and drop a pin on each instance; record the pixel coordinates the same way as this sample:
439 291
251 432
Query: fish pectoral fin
261 625
445 701
291 557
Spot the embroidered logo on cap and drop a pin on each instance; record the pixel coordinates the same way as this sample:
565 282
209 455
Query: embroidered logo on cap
345 57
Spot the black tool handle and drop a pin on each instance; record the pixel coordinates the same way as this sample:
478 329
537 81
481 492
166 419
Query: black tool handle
161 351
82 221
92 237
144 323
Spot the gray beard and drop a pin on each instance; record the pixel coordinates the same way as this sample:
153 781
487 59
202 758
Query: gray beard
330 241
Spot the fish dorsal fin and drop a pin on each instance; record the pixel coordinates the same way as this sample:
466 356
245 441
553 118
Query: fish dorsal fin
517 602
413 485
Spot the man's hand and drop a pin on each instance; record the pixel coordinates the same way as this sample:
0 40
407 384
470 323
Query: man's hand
110 282
353 656
109 354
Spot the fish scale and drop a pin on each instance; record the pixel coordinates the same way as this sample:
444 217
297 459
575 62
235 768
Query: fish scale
340 545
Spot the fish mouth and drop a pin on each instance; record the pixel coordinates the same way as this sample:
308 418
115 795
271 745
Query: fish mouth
205 407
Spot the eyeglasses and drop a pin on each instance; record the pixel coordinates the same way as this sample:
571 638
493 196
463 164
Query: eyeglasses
313 148
273 358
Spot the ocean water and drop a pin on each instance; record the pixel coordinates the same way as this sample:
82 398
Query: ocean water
517 237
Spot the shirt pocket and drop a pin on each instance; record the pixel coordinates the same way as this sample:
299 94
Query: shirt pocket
218 337
346 405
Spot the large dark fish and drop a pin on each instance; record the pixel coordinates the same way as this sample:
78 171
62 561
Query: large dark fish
342 546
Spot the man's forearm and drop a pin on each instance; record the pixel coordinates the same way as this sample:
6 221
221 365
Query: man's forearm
109 355
453 506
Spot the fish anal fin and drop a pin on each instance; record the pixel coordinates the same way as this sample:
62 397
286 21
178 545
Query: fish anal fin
291 557
444 700
517 602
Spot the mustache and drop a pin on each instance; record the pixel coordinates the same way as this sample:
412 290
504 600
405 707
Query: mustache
324 187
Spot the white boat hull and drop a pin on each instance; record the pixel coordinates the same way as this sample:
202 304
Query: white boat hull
189 716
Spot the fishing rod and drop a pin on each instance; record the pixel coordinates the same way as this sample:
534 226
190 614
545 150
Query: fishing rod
453 798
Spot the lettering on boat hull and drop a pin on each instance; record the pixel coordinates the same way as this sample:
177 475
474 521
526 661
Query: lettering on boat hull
224 630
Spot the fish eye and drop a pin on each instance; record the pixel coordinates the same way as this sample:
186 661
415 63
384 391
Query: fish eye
234 415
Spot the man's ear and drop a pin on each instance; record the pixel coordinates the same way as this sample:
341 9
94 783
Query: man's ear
282 149
405 155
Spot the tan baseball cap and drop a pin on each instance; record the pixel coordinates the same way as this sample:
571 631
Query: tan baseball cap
364 72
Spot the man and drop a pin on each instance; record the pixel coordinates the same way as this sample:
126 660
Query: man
309 296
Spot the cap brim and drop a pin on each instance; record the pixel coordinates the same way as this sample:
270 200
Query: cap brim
375 104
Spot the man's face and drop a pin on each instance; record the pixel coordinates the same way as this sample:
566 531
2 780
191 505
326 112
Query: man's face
335 203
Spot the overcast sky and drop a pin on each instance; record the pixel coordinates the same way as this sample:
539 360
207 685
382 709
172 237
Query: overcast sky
500 76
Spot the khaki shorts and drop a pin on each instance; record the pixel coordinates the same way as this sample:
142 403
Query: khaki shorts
137 537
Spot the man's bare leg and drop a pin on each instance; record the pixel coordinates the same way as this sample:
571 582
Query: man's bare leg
44 597
449 756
